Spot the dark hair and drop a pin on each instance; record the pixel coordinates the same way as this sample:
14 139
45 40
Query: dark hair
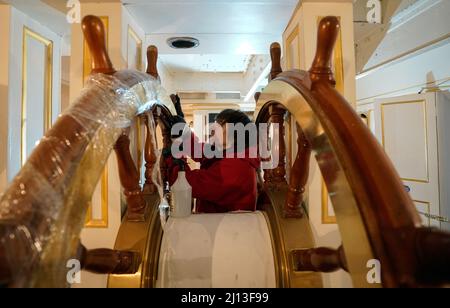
233 117
230 116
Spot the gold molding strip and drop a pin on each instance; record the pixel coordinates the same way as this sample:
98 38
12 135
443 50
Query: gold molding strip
103 222
425 114
339 64
327 219
48 84
138 41
294 34
369 122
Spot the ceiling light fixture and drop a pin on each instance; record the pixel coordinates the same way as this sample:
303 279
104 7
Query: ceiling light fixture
183 42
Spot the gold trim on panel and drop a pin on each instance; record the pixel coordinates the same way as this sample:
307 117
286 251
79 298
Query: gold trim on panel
87 65
290 39
427 204
338 59
48 83
425 114
103 222
369 122
326 218
138 41
339 64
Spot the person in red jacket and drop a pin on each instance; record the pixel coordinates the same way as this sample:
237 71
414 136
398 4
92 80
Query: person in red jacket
226 183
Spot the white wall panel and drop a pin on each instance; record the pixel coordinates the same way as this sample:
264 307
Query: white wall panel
406 144
35 60
35 100
407 128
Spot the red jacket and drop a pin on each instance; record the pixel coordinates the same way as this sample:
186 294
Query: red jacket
221 185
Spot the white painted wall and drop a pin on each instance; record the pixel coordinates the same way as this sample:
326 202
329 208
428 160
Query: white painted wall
418 24
45 13
208 82
127 47
412 54
256 75
406 76
18 21
167 79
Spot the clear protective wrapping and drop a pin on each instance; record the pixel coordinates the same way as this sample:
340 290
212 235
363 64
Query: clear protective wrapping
43 211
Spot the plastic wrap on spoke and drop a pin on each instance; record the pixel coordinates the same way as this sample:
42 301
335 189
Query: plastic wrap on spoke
43 211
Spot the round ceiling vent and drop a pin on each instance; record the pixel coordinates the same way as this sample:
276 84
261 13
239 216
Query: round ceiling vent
183 42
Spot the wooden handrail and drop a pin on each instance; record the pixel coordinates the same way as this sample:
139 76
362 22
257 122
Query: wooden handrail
357 162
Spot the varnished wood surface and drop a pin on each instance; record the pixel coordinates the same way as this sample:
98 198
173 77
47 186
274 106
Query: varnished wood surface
322 259
108 261
150 155
129 178
298 177
275 54
94 33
